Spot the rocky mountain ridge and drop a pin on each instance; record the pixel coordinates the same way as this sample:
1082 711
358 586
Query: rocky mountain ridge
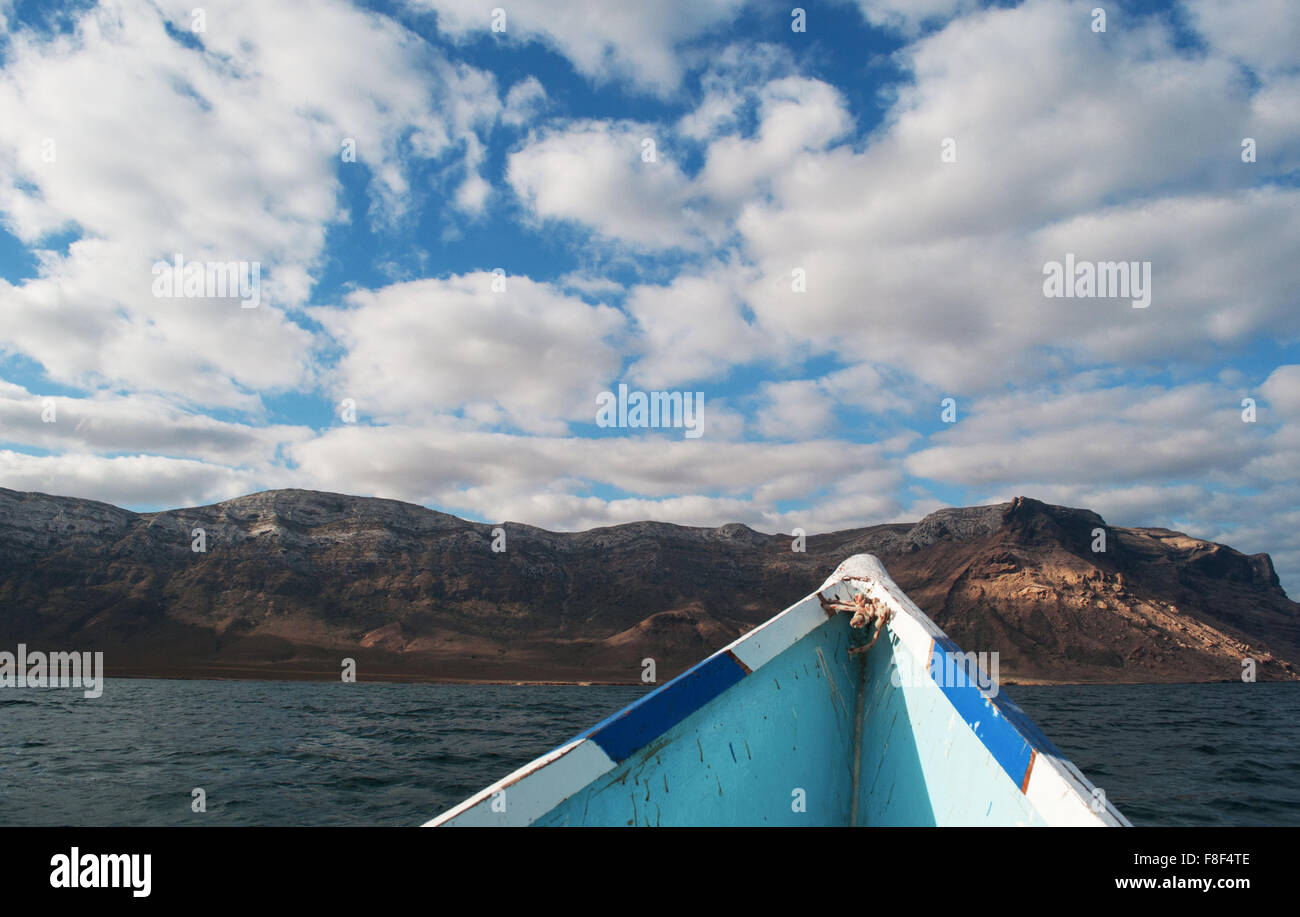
293 581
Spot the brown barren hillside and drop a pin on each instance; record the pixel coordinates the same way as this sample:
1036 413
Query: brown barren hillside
294 581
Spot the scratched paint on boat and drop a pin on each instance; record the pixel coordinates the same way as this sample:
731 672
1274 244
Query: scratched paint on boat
794 723
927 765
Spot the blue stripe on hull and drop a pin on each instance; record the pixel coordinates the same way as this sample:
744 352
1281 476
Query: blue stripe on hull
922 763
657 712
958 678
773 748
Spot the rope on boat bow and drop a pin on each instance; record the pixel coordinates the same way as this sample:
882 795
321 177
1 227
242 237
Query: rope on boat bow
866 611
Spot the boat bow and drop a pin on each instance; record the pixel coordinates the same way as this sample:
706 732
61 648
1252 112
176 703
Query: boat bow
789 726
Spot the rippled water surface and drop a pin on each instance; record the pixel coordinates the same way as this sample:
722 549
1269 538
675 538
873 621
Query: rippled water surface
1180 754
287 753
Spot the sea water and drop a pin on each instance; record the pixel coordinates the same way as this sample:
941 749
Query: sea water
163 752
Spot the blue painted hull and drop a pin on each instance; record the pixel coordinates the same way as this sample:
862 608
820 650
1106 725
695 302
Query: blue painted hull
786 727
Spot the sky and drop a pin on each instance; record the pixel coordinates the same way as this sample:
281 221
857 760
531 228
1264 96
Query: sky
470 219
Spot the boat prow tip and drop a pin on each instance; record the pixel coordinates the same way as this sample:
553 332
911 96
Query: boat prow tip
862 566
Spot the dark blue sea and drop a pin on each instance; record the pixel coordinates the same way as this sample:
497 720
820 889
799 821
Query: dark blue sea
286 753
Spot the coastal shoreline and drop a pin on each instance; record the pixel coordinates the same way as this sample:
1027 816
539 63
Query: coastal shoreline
259 673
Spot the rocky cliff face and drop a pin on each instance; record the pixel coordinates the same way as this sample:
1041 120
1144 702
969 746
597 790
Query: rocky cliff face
294 581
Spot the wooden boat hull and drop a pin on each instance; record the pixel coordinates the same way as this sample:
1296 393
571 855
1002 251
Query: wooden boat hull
786 727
